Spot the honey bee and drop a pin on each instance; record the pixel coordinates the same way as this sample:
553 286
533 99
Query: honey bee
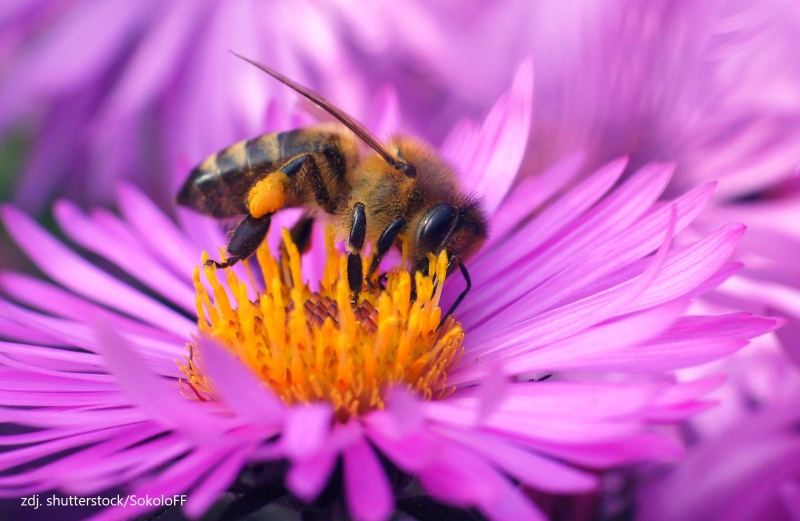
399 188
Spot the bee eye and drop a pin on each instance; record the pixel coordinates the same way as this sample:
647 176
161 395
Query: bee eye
435 226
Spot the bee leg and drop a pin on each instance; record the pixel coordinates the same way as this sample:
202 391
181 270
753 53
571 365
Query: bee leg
355 270
247 236
461 296
307 170
301 233
385 242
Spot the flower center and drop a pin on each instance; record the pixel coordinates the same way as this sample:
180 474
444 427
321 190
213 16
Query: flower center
319 346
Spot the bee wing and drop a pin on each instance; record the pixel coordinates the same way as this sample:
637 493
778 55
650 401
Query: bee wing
356 127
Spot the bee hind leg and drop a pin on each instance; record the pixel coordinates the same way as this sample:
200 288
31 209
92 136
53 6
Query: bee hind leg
246 238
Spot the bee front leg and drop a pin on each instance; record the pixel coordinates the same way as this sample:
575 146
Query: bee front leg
463 294
301 233
247 236
355 269
385 242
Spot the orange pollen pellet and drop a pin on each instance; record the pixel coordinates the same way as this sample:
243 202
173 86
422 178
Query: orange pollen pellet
268 195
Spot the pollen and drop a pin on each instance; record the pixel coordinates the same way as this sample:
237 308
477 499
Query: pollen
268 195
321 346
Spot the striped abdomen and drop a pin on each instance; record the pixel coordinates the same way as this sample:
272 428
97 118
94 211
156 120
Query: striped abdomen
219 185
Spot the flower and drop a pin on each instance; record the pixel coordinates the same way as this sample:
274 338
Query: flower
589 290
749 471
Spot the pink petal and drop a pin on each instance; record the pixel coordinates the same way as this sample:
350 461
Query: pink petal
111 240
529 194
238 387
459 477
56 301
412 452
598 342
594 229
617 452
150 392
50 67
85 279
153 63
548 328
690 268
167 241
511 504
498 147
306 430
550 222
528 467
369 496
608 259
216 482
307 478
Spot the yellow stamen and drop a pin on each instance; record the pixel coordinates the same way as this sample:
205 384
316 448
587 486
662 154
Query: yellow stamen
314 346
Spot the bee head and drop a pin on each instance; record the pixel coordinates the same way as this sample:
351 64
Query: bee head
459 229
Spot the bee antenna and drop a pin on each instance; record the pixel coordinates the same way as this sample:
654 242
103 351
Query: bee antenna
356 127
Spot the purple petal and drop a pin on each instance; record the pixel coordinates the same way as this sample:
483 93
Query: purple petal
690 268
550 222
163 401
217 481
84 278
550 326
369 496
50 67
597 343
459 477
617 452
107 236
153 63
490 164
306 430
597 227
529 468
237 386
174 480
56 301
511 504
27 454
168 242
412 452
308 477
530 194
608 261
790 494
386 121
159 353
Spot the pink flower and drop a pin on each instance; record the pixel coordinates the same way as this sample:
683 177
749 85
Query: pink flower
590 290
750 471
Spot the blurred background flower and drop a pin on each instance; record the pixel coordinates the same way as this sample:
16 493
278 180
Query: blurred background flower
91 94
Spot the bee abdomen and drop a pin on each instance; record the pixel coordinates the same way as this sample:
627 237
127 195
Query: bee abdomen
219 186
